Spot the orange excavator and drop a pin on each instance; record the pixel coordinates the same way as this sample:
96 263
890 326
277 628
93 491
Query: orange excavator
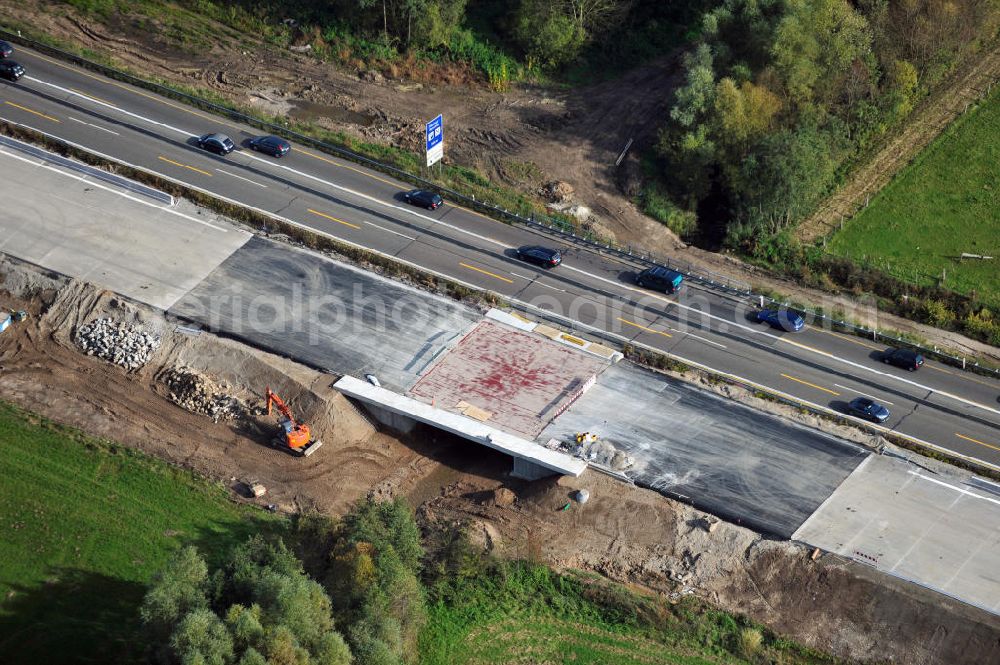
297 436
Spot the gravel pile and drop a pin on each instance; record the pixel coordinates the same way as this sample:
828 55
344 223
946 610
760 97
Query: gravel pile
198 393
117 341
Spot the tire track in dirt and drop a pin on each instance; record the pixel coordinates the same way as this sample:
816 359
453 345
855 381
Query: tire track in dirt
931 118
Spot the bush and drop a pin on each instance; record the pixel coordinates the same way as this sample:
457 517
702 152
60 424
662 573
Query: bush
658 205
749 642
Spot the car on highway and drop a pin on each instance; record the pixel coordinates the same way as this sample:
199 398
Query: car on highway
423 198
10 70
781 319
270 145
543 256
220 144
6 50
660 279
868 409
905 358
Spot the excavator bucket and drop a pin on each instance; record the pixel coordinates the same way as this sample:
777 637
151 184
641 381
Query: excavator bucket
311 448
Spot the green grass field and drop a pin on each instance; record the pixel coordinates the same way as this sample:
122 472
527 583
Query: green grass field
84 524
945 203
522 613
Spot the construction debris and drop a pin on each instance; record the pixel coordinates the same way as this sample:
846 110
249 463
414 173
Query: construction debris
590 448
117 342
199 394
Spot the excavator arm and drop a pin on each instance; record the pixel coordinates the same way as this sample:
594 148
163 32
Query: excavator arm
298 436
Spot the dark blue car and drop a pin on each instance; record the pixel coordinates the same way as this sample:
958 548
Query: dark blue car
271 145
868 409
782 319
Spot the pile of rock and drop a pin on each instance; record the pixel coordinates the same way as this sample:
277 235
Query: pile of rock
118 342
196 392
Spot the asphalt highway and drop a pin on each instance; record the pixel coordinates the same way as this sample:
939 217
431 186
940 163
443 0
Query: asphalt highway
940 405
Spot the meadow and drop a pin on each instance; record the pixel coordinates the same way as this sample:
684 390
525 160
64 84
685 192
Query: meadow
943 204
84 525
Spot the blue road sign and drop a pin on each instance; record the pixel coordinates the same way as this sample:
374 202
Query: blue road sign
435 140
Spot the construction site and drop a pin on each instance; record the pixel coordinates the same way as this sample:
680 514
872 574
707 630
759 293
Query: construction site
186 345
200 401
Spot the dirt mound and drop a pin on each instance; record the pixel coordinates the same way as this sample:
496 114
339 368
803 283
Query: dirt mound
638 537
503 497
44 370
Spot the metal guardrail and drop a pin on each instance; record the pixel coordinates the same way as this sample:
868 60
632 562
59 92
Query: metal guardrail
553 226
965 363
88 170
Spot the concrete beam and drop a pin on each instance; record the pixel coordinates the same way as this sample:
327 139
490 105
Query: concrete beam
542 458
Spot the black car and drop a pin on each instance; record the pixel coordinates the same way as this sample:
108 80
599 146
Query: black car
10 70
423 198
543 256
6 50
271 145
904 358
220 144
869 409
660 279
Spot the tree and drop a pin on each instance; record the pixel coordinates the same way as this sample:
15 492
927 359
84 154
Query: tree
743 113
202 638
175 591
548 36
272 611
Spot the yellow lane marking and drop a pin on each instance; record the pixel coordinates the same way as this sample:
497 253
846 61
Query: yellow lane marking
25 108
334 219
939 369
630 323
185 166
847 338
970 378
345 166
87 94
811 385
476 212
127 88
486 272
969 438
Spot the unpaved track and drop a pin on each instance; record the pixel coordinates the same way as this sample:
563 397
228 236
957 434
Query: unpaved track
933 116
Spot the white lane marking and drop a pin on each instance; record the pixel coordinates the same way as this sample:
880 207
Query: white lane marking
703 339
92 183
960 490
620 338
272 164
535 280
90 124
878 399
800 346
487 239
110 106
382 228
241 178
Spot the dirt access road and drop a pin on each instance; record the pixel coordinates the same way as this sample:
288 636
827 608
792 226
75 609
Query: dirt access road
628 534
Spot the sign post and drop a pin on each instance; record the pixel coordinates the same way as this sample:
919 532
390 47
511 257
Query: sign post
435 140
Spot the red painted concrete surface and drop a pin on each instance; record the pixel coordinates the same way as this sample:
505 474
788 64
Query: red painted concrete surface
522 379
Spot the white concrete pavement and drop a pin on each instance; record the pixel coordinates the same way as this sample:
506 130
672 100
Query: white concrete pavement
940 531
